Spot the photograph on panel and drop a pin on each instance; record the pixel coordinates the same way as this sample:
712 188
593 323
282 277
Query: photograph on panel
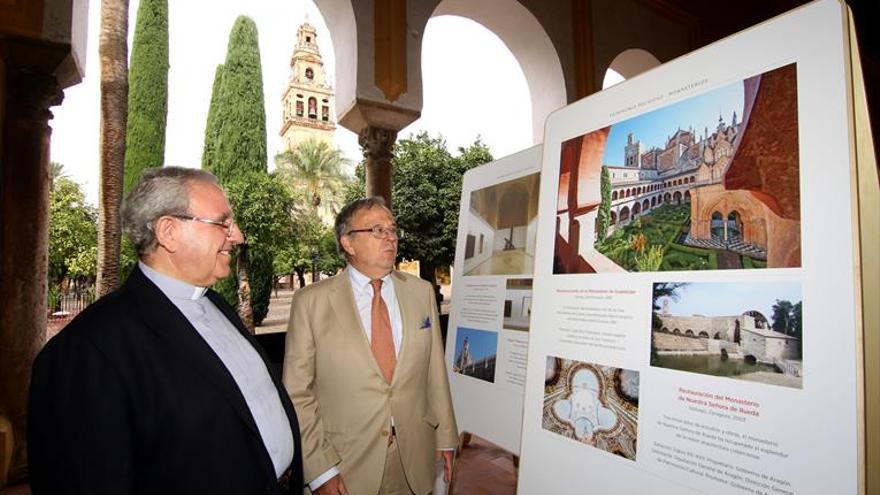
593 404
501 228
475 353
747 331
708 183
518 304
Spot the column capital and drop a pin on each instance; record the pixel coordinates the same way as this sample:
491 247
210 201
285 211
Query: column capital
377 143
30 94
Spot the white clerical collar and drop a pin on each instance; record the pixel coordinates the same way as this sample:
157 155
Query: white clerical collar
172 287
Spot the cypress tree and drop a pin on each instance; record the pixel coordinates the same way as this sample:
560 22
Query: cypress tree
148 92
241 115
238 121
212 126
604 215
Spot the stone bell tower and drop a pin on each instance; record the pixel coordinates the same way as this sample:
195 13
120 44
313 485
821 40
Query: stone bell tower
309 100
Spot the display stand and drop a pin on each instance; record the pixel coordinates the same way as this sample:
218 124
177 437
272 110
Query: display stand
706 276
489 321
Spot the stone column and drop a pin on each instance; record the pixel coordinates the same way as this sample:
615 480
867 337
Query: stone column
377 144
24 212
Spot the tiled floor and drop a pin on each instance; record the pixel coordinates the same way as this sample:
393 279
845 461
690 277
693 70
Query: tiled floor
483 468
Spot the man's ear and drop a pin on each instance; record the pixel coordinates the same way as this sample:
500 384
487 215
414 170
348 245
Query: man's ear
167 231
345 242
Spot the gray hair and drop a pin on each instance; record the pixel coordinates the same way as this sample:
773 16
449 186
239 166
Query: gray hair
159 192
341 226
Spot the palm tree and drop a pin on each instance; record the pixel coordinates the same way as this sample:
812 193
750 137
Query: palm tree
56 171
315 168
113 51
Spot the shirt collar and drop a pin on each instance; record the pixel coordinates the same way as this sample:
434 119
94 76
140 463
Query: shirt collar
362 281
172 287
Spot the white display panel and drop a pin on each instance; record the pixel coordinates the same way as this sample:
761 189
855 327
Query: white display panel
489 320
705 342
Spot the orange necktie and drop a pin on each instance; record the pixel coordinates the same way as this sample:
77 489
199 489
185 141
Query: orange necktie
381 341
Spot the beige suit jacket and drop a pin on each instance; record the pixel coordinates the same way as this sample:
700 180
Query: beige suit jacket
344 404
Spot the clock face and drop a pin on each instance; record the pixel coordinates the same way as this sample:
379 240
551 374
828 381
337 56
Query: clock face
310 74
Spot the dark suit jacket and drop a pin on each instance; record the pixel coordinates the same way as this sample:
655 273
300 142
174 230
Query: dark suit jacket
129 399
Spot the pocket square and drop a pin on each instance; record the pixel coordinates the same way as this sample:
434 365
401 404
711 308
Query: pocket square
426 323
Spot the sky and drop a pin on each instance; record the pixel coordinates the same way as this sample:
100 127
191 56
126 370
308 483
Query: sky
472 85
720 299
481 343
654 128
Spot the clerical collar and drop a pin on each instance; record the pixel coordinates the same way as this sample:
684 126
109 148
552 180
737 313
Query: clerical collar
171 287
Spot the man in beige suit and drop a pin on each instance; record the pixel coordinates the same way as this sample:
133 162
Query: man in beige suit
365 368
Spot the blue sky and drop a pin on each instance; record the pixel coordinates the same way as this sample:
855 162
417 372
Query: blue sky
482 342
717 299
654 128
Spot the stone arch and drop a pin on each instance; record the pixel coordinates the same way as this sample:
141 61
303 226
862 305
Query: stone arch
717 336
624 214
613 217
717 226
530 45
734 225
636 209
667 198
646 204
632 62
689 332
653 201
664 329
703 334
687 196
677 197
676 331
613 195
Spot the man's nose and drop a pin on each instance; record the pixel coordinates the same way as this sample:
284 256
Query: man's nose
235 235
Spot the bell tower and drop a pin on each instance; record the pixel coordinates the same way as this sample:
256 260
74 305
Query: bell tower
309 100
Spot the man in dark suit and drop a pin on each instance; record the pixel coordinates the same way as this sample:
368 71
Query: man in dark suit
158 388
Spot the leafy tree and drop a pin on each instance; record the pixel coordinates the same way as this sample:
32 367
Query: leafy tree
426 194
316 168
212 126
603 218
148 92
73 233
782 315
262 207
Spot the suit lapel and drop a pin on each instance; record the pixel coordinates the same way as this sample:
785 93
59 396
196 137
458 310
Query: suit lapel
341 299
404 304
161 316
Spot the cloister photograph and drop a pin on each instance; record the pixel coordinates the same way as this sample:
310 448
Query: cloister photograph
708 183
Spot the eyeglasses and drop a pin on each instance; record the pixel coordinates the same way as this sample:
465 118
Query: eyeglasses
379 232
226 225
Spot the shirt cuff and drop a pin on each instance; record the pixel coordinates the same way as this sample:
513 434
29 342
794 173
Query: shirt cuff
320 480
